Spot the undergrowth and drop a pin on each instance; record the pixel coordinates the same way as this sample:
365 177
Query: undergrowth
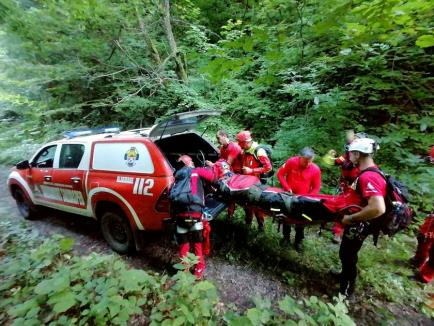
384 272
45 282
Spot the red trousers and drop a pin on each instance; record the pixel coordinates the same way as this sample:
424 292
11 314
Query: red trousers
424 258
260 216
231 209
184 248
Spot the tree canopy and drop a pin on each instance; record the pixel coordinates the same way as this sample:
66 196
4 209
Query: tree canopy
296 72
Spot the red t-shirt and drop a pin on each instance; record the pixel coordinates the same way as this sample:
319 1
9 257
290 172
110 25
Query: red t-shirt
232 154
301 181
372 184
369 184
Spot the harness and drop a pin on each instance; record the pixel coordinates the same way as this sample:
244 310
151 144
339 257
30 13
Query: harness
364 229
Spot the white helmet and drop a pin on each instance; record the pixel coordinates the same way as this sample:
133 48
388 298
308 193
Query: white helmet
364 145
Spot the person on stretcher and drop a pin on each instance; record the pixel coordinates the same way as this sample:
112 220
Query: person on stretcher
247 190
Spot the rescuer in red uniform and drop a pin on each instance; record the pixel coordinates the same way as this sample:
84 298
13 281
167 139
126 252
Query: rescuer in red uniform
187 210
255 161
424 256
231 153
371 188
349 174
300 176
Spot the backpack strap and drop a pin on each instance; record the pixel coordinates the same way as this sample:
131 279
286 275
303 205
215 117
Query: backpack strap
374 225
256 150
372 169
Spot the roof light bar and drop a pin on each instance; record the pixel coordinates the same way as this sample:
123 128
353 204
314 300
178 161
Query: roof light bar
90 131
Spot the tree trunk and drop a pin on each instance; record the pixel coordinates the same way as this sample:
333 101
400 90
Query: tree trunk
180 69
148 40
300 9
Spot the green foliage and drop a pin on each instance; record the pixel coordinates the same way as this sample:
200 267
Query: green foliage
62 289
297 73
310 311
52 285
317 69
384 274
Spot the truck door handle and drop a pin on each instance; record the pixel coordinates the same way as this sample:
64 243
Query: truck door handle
75 180
47 177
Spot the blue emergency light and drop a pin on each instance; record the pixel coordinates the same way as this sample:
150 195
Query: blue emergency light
90 131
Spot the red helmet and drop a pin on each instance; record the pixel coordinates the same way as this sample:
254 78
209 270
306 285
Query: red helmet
244 136
187 160
221 167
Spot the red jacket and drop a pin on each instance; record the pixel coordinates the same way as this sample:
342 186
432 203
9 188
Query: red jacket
301 181
205 174
260 165
197 176
232 154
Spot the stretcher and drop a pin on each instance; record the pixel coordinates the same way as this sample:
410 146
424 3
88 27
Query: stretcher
286 207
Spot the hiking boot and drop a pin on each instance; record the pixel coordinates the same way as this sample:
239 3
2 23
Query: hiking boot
347 289
261 227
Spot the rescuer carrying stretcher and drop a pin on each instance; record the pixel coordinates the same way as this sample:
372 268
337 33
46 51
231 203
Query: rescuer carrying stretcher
247 190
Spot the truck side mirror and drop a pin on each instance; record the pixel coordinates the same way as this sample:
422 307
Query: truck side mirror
23 165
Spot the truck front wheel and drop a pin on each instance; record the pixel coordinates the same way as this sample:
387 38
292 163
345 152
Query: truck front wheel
26 208
117 232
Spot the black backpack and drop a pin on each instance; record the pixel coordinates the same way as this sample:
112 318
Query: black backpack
269 151
398 214
180 195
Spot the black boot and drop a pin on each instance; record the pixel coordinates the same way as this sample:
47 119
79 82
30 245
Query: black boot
299 236
347 288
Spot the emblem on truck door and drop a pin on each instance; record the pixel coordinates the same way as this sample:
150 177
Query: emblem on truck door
131 156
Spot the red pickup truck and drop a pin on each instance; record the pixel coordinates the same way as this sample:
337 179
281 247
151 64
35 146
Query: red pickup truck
121 179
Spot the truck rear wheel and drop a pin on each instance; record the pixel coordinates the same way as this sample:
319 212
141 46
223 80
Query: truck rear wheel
117 232
26 208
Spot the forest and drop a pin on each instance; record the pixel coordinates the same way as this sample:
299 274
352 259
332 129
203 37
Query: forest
295 73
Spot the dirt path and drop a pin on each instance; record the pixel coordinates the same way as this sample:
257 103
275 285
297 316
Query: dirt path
236 282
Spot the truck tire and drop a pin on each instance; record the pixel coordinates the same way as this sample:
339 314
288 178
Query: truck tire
117 232
26 208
